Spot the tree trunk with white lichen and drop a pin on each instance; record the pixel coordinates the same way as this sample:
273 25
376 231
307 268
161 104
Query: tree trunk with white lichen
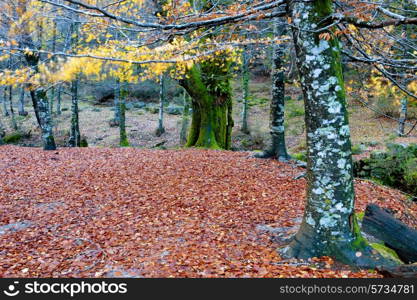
75 135
41 107
245 86
161 129
329 226
277 148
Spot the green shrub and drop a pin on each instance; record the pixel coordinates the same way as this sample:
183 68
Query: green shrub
300 156
83 142
358 149
410 175
13 138
397 167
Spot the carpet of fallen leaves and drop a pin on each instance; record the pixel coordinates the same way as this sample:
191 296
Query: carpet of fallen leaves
96 212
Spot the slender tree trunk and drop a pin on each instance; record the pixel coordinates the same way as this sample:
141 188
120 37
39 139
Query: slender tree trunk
35 107
75 136
122 114
14 124
2 133
161 129
116 100
52 96
329 226
22 111
185 119
277 148
245 86
5 112
58 102
212 122
11 99
403 117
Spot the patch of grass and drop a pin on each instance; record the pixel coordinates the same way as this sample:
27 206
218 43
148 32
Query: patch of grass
294 109
257 101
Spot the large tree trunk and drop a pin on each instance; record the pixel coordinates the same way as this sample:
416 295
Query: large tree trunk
75 135
277 149
329 226
212 122
395 234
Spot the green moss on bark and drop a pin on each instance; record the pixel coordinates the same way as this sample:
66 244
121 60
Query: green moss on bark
211 101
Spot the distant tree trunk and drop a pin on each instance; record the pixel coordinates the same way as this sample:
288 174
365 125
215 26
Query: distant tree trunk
41 107
11 99
245 87
122 114
185 118
161 129
116 100
329 226
5 112
403 117
210 91
277 148
58 98
75 136
22 111
52 96
2 133
14 124
38 94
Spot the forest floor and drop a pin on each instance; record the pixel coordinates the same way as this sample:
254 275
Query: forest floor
126 212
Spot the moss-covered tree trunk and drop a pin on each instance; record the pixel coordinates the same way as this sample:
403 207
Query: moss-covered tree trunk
185 118
277 148
329 226
40 100
122 114
41 107
210 91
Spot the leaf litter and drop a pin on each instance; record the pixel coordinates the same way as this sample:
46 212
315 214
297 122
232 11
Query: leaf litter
125 212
